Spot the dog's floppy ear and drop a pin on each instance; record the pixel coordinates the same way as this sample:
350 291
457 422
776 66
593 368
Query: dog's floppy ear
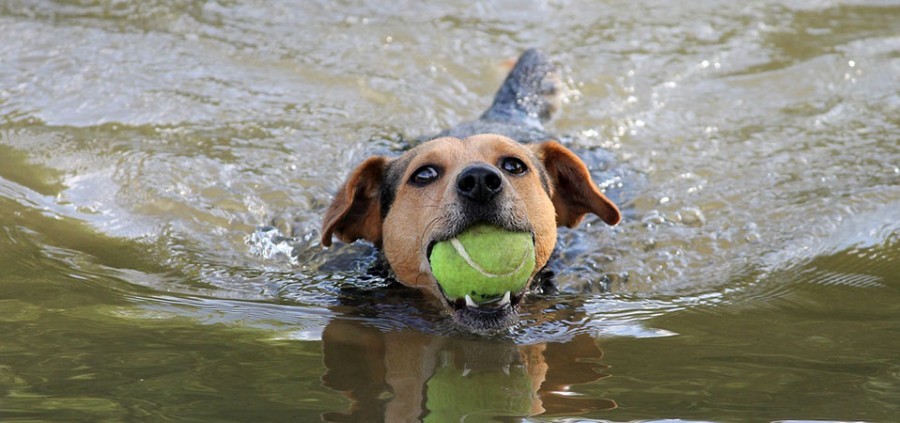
355 212
573 192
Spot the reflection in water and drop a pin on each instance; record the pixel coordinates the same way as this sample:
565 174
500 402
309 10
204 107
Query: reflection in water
406 375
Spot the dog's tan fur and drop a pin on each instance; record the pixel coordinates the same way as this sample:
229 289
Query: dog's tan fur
555 191
416 213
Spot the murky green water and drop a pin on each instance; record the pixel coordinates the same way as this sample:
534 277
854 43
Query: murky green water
755 277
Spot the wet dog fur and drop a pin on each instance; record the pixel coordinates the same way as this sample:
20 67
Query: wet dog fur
477 172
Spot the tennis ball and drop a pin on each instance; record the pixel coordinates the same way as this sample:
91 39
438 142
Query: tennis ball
483 262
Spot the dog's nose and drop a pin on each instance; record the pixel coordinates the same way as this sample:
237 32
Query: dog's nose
479 183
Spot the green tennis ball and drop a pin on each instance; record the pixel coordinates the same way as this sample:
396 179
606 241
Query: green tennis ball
483 262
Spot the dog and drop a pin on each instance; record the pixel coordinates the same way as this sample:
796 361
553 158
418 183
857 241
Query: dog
502 169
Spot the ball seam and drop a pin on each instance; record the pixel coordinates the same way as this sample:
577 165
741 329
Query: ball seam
461 250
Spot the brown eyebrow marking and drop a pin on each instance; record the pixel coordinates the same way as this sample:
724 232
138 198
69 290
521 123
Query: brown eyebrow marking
541 170
392 179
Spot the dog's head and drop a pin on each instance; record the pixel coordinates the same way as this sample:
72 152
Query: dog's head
442 187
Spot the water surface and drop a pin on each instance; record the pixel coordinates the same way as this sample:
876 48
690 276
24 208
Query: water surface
755 276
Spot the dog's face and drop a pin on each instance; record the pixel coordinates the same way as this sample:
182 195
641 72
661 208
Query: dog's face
442 187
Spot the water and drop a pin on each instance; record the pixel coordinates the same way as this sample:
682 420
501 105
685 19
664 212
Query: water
755 277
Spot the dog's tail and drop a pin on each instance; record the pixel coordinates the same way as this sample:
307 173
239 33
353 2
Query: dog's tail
530 95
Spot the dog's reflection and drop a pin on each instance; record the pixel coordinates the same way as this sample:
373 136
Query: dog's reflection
406 376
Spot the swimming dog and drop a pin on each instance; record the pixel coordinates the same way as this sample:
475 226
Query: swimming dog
501 169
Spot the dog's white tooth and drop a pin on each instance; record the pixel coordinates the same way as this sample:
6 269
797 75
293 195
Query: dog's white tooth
505 300
469 301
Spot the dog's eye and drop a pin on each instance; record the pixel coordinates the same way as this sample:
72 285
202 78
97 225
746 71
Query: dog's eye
424 176
513 166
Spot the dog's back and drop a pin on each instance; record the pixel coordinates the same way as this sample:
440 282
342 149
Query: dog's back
528 98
